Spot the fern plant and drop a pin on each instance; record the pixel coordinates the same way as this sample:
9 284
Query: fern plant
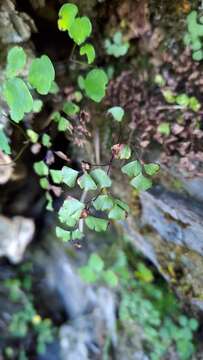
94 181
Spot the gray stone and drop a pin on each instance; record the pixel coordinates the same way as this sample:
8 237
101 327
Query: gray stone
15 235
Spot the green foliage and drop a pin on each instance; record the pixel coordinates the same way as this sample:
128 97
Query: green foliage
154 309
141 183
62 123
73 214
103 202
89 51
95 84
70 109
69 176
37 105
41 74
117 112
101 178
18 98
16 61
46 140
70 212
95 271
32 135
96 224
183 100
15 90
151 169
194 35
80 30
27 319
86 182
116 47
41 168
133 168
164 128
56 176
67 16
4 142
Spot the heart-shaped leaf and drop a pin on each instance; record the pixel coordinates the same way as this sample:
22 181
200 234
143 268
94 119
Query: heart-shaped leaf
41 74
80 29
16 60
95 84
18 98
67 14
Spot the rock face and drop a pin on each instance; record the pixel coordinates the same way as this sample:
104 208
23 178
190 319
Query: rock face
91 311
15 235
170 233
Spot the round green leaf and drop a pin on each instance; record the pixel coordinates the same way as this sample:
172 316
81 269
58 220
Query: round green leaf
18 98
117 112
89 51
16 60
95 84
67 14
80 29
41 74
